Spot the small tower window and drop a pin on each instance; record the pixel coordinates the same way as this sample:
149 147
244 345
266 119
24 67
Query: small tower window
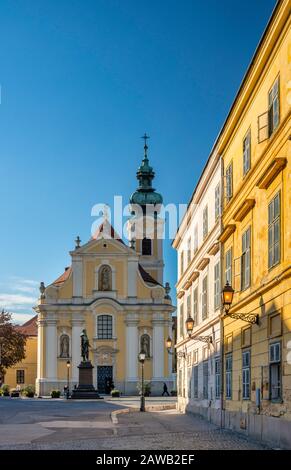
146 246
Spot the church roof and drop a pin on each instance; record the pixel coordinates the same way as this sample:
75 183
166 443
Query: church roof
29 328
146 276
107 229
145 194
63 277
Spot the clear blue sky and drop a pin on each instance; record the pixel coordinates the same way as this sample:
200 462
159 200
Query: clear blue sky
81 81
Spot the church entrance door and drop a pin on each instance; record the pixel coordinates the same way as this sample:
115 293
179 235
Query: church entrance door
105 379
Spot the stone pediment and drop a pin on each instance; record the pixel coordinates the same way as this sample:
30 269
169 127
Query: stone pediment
103 246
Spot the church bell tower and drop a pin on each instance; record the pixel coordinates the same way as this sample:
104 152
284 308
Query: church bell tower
146 227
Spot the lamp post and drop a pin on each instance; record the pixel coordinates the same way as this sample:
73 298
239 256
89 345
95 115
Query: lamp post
141 358
68 378
227 298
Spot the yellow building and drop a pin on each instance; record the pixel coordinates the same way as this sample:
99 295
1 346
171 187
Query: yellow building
116 293
24 372
255 148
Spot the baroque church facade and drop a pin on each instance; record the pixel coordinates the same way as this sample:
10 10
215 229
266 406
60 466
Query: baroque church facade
116 293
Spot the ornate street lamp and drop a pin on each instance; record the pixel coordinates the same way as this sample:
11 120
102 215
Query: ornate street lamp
227 298
141 358
189 325
68 378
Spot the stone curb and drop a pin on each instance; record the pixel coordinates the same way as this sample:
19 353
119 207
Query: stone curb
130 409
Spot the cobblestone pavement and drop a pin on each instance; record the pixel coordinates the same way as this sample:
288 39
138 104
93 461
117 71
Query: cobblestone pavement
88 426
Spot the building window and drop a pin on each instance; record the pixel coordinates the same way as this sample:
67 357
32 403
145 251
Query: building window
217 202
273 110
275 389
189 251
246 374
217 285
180 385
195 382
189 383
228 376
205 222
274 231
205 379
195 305
181 262
104 327
146 246
246 259
247 153
195 238
228 266
105 278
189 305
217 377
205 298
181 324
20 376
229 183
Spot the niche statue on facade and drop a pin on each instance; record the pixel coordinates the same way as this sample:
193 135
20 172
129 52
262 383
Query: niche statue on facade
64 346
145 345
105 278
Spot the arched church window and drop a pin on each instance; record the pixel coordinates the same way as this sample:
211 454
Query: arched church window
104 327
146 246
145 344
64 346
105 278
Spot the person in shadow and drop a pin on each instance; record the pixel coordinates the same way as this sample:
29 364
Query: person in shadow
165 390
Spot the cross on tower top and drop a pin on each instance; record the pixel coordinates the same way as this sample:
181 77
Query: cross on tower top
145 137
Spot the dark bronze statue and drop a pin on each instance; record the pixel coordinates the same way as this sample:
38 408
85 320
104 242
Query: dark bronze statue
84 346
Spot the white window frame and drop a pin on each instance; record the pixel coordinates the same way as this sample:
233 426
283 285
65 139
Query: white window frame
217 202
205 221
228 266
204 294
274 226
228 376
247 153
246 259
246 375
112 326
229 182
217 377
195 248
217 295
274 107
196 305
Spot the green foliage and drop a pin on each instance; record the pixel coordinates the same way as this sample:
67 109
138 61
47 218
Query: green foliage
115 393
147 387
12 343
55 393
29 391
5 388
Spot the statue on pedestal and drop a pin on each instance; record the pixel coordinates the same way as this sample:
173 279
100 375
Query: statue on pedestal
85 346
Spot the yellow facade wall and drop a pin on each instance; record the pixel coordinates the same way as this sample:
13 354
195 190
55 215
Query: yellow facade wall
29 365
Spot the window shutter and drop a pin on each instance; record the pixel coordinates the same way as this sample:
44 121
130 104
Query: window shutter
263 127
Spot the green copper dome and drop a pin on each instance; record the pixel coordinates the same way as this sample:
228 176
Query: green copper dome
145 193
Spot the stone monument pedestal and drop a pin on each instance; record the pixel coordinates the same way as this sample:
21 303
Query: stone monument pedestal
85 389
